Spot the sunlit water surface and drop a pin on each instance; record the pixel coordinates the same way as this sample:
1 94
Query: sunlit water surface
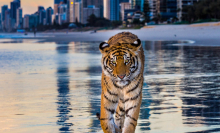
55 87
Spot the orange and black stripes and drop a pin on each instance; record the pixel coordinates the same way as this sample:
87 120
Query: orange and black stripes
122 81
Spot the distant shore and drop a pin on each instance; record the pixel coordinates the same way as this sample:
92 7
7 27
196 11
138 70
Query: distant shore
207 34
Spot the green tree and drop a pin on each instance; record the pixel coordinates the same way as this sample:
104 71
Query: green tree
116 23
157 18
202 10
136 21
92 20
77 23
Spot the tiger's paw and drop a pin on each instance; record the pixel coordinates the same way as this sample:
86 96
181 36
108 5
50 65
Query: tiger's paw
118 129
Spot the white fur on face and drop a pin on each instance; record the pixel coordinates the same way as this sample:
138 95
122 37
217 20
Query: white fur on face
121 83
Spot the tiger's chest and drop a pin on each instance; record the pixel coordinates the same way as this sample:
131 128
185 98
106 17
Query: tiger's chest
129 92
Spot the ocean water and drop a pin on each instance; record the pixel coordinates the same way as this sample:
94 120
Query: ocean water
51 87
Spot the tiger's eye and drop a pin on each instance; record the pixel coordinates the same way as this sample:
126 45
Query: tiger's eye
126 61
114 62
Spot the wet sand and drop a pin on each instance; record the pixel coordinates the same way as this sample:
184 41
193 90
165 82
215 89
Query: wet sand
56 87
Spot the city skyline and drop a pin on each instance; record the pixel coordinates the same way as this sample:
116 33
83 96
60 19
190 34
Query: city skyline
30 7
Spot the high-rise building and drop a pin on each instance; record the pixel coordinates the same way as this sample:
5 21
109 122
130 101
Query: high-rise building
45 21
56 8
122 1
0 21
167 8
26 21
49 13
171 8
137 4
19 2
42 16
62 14
40 8
107 9
33 21
111 9
19 18
14 6
183 3
55 17
7 21
65 1
78 11
96 3
30 21
68 11
61 18
57 1
4 8
124 6
62 8
71 11
89 11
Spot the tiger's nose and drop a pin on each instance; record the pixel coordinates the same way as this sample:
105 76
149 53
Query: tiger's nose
121 76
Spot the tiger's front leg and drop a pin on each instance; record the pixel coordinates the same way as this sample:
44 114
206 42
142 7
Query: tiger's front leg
108 107
132 110
120 114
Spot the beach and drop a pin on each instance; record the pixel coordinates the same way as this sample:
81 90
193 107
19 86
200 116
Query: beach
203 34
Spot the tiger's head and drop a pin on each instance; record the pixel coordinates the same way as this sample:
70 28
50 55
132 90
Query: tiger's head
121 61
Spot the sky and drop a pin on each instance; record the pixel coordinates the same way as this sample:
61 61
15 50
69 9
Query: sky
29 6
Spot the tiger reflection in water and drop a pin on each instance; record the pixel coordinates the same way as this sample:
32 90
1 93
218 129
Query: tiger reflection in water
122 81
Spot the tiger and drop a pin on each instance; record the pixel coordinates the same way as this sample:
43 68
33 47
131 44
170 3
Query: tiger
122 80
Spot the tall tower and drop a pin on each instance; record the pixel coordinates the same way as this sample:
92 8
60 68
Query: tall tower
4 8
19 18
71 11
111 9
14 6
107 10
49 13
40 8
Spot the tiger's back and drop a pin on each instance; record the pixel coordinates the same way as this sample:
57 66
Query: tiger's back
122 81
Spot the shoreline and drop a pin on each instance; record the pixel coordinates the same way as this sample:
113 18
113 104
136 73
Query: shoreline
200 33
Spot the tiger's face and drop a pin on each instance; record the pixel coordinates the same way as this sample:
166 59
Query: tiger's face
121 62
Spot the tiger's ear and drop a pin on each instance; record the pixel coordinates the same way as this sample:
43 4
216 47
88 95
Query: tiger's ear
136 44
104 47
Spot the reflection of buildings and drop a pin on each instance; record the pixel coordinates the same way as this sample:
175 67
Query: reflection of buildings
202 90
73 85
183 86
164 92
64 104
86 65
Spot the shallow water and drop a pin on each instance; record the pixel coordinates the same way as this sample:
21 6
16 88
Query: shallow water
55 87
